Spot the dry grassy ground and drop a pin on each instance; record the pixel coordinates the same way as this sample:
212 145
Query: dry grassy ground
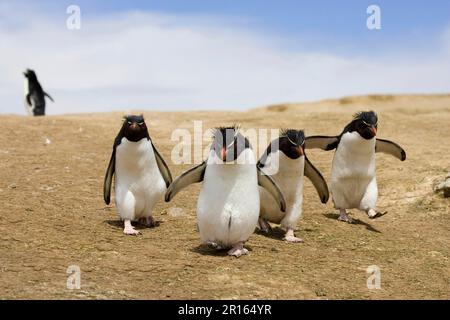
52 213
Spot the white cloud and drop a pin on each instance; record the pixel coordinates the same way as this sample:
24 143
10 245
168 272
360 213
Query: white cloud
141 60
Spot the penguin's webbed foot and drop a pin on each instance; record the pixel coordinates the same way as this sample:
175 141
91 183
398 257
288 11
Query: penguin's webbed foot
148 222
372 213
238 250
290 237
345 217
263 226
129 229
214 245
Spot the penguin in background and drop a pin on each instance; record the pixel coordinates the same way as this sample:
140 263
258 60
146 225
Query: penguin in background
286 157
228 204
34 94
353 180
141 174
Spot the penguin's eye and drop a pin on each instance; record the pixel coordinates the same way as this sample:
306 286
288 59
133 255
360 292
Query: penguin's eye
140 123
129 122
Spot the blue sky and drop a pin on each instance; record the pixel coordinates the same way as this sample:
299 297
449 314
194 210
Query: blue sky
403 21
216 54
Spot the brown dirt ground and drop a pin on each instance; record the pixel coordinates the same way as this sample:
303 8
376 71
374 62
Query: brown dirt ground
52 214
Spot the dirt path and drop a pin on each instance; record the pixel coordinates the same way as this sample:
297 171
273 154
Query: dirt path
53 216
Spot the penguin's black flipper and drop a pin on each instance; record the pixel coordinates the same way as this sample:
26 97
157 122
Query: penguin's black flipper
108 178
28 100
326 143
191 176
46 94
391 148
163 168
317 180
267 183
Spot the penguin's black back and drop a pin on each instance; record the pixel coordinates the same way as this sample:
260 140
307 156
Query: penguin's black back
36 93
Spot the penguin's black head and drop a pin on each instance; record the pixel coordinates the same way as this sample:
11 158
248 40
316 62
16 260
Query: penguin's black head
366 124
134 128
292 143
228 143
30 74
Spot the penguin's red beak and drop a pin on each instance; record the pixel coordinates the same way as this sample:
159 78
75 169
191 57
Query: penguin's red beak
373 129
223 154
134 126
300 151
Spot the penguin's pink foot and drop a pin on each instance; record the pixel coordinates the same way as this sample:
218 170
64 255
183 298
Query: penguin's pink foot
372 213
290 237
238 250
263 226
148 222
129 229
213 245
345 217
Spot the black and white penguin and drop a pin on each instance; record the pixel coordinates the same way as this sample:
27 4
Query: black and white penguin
142 176
286 157
34 94
353 181
228 204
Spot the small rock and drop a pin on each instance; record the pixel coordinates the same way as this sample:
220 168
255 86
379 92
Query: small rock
434 253
47 188
12 186
320 292
104 247
444 186
47 141
176 212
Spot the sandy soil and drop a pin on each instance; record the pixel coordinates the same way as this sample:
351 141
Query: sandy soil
52 213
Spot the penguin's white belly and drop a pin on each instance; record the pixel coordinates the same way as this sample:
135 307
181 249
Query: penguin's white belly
26 88
26 91
353 172
289 178
228 205
139 183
